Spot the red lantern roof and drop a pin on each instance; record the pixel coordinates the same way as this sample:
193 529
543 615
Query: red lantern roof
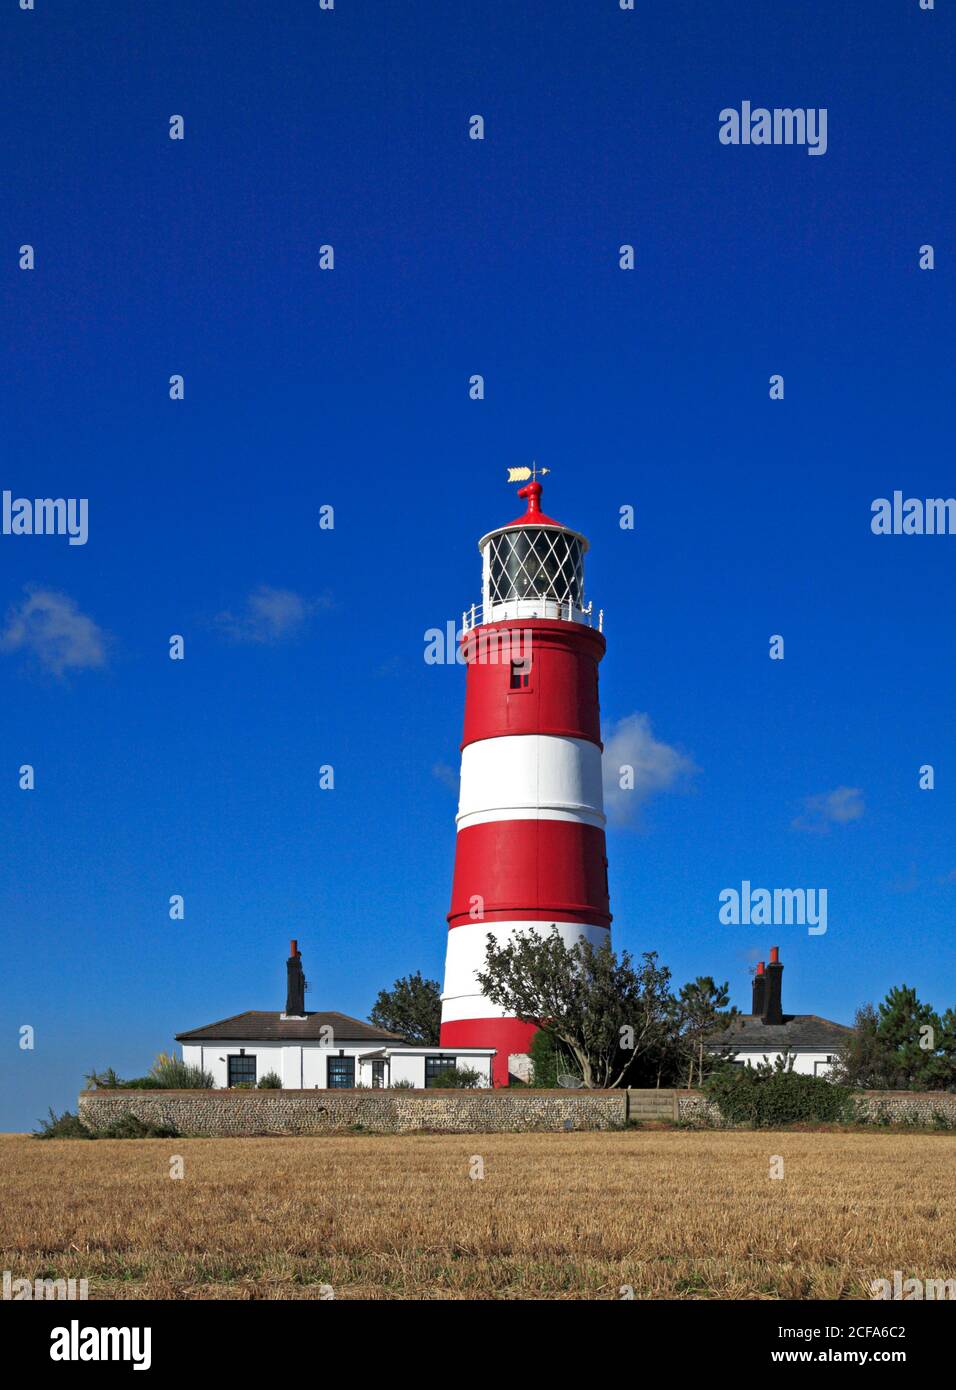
534 516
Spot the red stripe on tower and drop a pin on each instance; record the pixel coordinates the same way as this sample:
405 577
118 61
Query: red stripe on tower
530 851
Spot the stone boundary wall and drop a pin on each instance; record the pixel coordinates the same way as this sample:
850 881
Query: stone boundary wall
872 1107
381 1112
696 1110
224 1113
906 1107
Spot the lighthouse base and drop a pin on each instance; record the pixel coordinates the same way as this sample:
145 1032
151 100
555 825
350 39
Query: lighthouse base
506 1035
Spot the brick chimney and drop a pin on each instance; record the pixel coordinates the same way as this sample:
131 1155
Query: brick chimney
295 994
772 1005
760 986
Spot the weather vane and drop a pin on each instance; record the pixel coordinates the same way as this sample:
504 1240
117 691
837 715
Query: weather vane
521 475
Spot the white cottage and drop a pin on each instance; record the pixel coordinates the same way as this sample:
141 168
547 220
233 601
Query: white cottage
767 1033
310 1050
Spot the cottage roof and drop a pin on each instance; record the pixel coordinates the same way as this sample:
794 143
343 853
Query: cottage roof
256 1025
806 1032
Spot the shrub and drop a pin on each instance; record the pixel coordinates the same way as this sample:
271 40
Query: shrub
173 1074
402 1086
272 1081
166 1074
766 1096
65 1126
126 1126
549 1060
458 1078
103 1080
546 1060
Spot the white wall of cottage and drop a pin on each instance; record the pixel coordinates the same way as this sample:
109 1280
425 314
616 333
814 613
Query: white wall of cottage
304 1066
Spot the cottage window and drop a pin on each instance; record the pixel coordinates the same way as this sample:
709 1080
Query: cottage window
434 1065
242 1070
341 1072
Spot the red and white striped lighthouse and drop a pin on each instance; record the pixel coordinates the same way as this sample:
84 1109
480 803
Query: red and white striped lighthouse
530 849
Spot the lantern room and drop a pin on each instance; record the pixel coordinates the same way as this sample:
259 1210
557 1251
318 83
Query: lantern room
532 568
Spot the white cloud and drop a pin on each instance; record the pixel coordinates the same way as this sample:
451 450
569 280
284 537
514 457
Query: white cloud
824 809
657 767
269 615
50 627
446 775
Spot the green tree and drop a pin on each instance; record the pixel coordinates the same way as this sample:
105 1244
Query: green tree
910 1032
901 1045
699 1014
947 1045
863 1060
412 1008
604 1011
549 1060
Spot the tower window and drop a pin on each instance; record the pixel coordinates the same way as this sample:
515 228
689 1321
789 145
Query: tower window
521 675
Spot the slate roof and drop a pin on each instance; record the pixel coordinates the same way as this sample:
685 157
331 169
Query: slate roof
807 1032
258 1026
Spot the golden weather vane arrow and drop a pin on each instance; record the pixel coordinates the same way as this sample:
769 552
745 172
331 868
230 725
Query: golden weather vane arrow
521 475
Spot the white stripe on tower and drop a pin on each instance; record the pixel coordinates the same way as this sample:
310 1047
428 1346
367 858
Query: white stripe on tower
462 997
531 776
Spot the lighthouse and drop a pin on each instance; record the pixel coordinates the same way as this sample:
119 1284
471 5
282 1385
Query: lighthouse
530 850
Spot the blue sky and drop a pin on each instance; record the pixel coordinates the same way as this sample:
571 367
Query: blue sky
304 388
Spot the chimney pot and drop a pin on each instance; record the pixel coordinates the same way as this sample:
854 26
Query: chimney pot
772 995
760 987
295 993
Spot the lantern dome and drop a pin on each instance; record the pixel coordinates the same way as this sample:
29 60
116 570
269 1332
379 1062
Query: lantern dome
532 567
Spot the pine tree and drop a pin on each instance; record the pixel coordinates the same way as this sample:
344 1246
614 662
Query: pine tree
910 1033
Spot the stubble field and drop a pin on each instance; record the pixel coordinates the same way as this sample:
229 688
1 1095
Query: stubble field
670 1214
